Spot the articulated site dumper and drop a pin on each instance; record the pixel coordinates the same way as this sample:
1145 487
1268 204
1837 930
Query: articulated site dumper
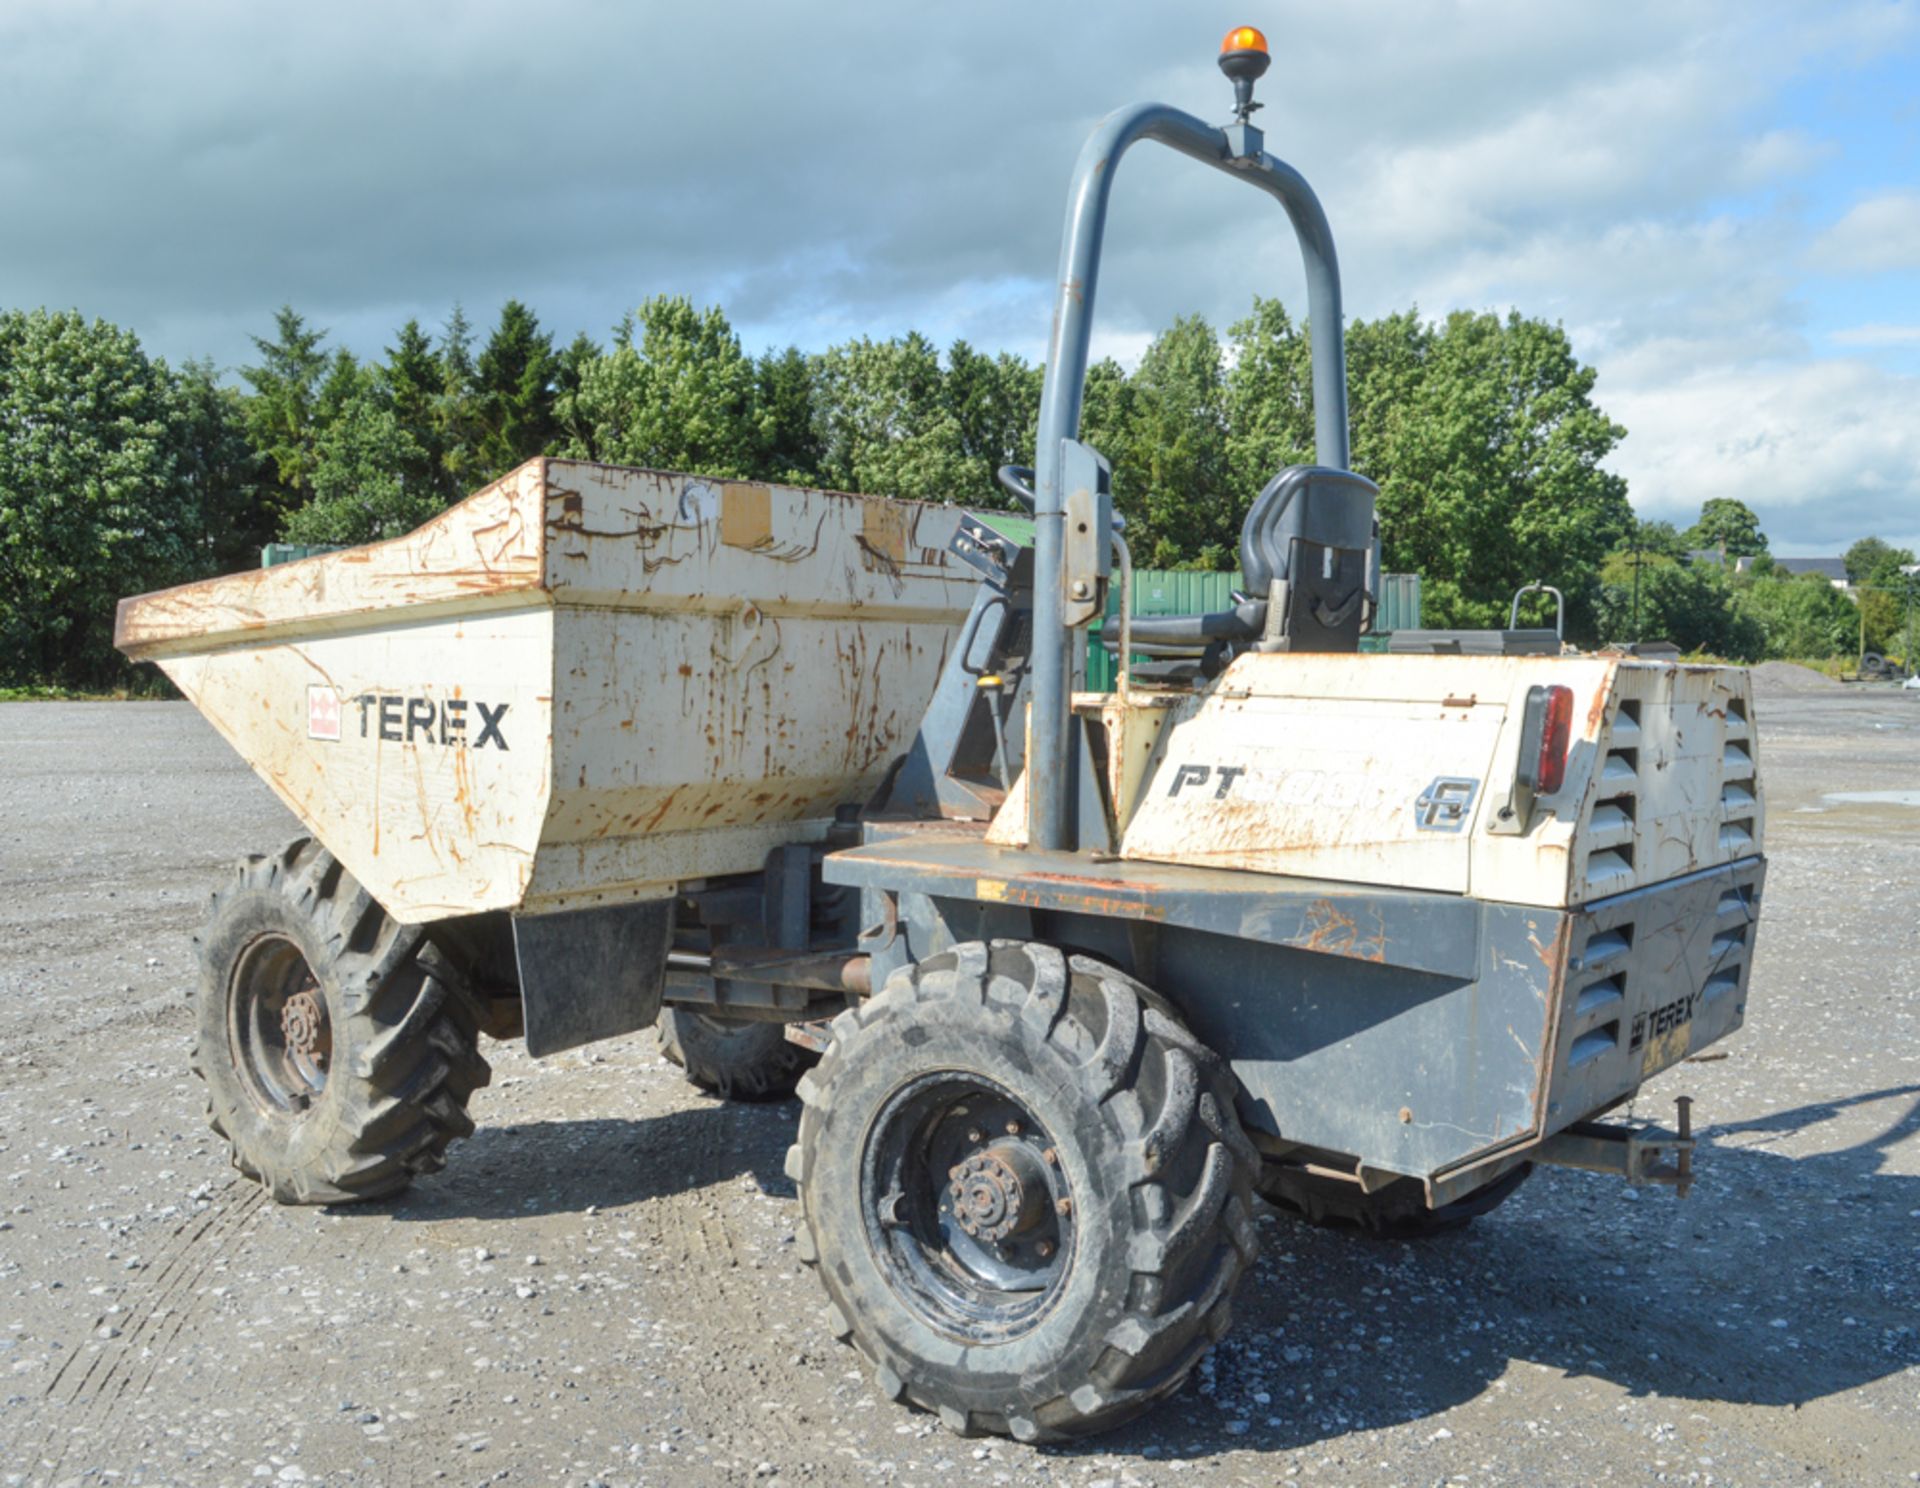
1063 979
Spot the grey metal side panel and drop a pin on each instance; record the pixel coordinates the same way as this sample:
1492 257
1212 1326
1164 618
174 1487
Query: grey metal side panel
591 973
1407 1071
1653 975
1418 1033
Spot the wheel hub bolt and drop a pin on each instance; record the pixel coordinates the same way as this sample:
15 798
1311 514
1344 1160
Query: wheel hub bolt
300 1022
993 1192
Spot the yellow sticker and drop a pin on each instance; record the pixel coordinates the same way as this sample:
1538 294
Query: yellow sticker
883 527
990 888
746 515
1668 1048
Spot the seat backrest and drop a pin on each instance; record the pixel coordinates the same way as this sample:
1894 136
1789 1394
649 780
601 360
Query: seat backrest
1313 528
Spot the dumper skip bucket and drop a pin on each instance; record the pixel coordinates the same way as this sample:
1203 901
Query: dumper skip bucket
584 684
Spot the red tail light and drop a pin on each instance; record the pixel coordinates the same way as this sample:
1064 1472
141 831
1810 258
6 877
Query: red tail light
1546 731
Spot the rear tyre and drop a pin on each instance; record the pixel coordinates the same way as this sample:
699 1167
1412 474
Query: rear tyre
1397 1212
735 1058
1025 1191
339 1051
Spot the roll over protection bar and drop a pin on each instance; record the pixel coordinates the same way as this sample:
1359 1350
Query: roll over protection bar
1238 151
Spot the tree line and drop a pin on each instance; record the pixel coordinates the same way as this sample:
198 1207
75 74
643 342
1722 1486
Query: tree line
120 473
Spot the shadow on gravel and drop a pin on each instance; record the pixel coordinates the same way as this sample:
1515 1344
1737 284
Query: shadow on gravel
1781 1281
563 1167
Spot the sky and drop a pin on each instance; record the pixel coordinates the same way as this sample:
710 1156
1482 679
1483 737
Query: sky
1720 201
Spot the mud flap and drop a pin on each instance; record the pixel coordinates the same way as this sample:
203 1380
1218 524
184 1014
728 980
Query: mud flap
591 974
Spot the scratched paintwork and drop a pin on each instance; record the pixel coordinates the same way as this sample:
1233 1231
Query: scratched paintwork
695 672
1330 755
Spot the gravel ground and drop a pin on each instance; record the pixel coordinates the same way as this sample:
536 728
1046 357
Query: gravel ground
602 1286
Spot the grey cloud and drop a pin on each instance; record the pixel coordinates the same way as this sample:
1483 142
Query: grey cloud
865 167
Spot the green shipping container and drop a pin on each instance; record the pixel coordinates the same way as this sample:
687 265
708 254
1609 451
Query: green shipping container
1174 591
274 554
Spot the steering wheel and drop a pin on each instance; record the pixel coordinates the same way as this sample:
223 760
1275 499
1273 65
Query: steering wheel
1018 482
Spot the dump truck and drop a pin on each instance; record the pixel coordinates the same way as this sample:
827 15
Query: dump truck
1064 979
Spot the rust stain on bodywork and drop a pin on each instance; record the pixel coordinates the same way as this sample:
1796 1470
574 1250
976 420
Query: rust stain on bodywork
1331 931
1553 956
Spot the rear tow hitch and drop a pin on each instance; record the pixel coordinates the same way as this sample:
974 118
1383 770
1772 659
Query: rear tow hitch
1642 1154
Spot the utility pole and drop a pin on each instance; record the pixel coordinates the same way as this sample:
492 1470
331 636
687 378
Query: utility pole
1912 572
1636 584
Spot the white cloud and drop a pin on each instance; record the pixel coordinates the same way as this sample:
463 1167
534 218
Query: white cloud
1824 452
1878 334
1881 233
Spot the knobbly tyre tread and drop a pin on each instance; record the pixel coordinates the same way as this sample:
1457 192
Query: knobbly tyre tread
1396 1212
1163 1105
747 1065
405 1035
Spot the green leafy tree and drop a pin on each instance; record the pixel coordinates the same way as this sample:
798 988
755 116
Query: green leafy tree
1106 423
1728 525
1183 505
676 392
1883 620
1657 537
413 382
223 480
1802 616
1872 561
1489 466
570 371
783 391
1649 595
995 402
346 381
94 504
1481 432
514 385
885 425
1269 399
457 412
360 488
1877 567
283 415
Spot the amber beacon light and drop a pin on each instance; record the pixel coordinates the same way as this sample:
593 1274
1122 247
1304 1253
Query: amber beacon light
1244 58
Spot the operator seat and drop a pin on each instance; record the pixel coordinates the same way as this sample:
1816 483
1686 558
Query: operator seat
1309 562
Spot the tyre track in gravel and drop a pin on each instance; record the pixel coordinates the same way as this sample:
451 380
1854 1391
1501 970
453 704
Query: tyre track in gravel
158 1309
713 1264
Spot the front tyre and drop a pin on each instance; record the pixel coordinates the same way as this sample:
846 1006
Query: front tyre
1025 1190
338 1050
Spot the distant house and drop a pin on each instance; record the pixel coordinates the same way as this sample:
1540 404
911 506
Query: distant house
1833 570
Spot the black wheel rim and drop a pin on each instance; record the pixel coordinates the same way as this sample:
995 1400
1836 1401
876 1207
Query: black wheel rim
278 1029
968 1207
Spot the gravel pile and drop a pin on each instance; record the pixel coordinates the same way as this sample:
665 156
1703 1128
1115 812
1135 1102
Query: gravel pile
1787 679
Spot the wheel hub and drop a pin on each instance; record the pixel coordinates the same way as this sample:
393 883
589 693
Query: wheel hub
278 1030
302 1021
998 1192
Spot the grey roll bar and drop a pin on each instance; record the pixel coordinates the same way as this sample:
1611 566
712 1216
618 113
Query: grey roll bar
1237 150
1540 586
